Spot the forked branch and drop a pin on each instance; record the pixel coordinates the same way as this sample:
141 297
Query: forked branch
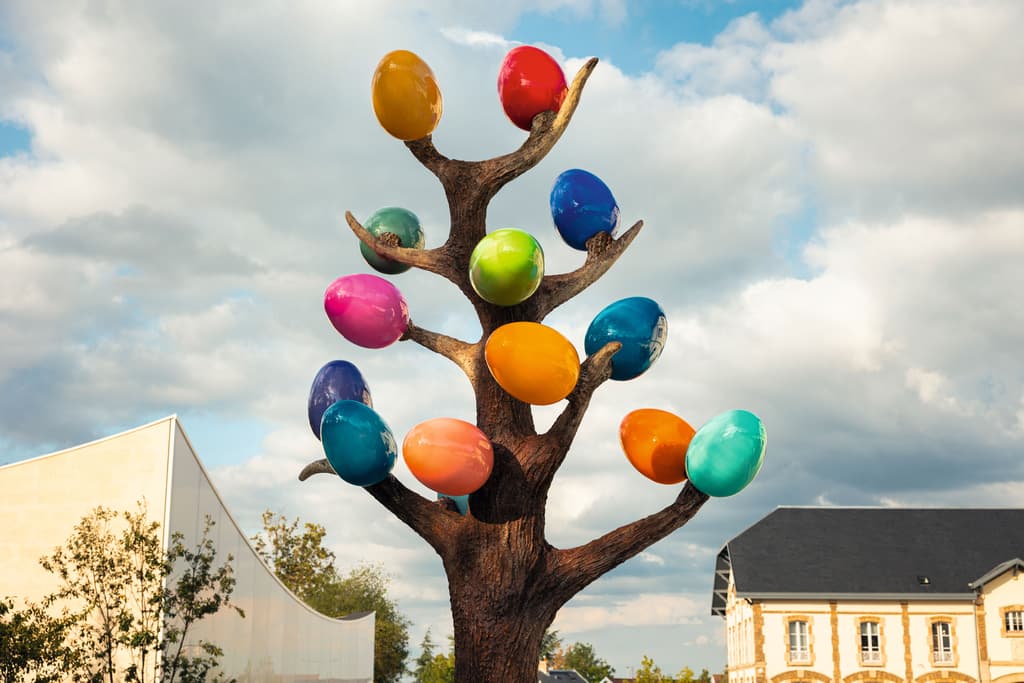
581 565
602 252
595 370
433 260
546 131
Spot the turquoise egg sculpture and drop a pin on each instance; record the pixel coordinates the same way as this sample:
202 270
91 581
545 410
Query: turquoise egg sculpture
726 453
461 502
358 443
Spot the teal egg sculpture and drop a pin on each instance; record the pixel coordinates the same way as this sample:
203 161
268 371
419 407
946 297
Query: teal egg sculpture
506 267
358 443
402 223
726 453
639 324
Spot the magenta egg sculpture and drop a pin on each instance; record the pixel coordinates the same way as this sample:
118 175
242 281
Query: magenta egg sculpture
367 310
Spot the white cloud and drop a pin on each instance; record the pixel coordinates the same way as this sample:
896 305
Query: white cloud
643 609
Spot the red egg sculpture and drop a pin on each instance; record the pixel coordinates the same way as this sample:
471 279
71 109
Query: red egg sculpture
449 456
530 82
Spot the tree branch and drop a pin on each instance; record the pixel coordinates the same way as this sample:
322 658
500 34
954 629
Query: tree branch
602 252
433 260
594 372
425 153
580 566
423 516
459 352
547 128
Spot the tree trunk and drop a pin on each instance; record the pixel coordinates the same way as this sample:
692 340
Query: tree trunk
506 582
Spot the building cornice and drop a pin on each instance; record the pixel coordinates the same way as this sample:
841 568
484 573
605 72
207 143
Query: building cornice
867 597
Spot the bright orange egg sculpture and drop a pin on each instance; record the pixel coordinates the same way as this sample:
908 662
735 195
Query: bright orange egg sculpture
449 456
655 442
532 362
406 98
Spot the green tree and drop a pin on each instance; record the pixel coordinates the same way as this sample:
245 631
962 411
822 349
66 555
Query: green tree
433 667
705 676
119 589
301 561
583 658
550 645
32 646
685 675
649 672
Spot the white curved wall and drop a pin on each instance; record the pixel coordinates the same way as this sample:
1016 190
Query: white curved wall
279 640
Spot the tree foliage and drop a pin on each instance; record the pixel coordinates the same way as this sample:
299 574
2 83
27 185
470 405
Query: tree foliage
300 560
583 658
32 648
119 588
649 672
432 666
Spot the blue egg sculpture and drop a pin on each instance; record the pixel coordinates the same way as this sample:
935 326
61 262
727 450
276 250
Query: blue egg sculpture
582 206
641 326
358 443
726 453
461 502
339 380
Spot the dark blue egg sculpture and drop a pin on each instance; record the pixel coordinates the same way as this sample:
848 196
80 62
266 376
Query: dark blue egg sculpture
639 324
339 380
358 443
582 206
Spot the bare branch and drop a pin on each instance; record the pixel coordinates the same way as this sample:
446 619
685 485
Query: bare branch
602 252
432 260
596 370
425 517
459 352
579 566
321 466
425 152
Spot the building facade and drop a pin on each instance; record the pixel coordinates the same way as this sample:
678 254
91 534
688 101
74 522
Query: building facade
843 595
279 640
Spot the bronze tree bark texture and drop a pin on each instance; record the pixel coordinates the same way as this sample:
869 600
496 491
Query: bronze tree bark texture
506 582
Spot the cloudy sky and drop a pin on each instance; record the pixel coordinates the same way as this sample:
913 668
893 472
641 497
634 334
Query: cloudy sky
834 217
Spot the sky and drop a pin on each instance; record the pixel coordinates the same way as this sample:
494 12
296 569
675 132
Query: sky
834 226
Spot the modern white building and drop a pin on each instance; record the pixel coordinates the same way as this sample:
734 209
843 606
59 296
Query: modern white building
279 640
845 595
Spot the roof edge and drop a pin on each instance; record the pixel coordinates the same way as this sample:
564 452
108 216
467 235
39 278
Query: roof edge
856 596
997 571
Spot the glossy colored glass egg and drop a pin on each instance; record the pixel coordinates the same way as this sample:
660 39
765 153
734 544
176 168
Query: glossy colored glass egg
530 81
402 223
367 310
639 324
582 206
449 456
532 362
655 441
358 443
406 97
506 267
336 381
726 453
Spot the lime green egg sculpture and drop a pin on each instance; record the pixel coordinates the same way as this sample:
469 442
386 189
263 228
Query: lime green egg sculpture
506 267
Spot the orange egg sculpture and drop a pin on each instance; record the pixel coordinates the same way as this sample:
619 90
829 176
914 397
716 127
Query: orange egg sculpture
532 362
655 441
448 456
406 97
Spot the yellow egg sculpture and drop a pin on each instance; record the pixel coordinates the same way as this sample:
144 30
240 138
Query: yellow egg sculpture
532 362
406 98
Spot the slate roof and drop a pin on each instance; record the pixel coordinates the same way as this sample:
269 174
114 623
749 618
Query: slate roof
560 676
878 552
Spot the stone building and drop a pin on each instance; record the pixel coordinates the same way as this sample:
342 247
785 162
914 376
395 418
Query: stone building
842 595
